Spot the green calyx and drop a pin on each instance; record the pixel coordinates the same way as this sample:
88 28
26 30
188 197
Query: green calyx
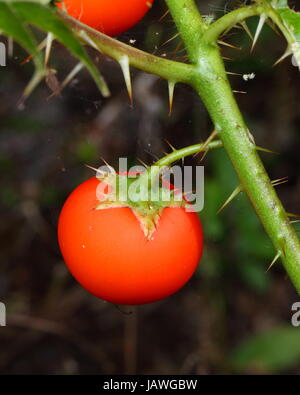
146 194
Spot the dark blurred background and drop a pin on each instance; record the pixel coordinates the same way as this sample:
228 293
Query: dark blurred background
233 316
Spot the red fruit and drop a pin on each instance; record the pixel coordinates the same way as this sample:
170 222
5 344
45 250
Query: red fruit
111 17
109 255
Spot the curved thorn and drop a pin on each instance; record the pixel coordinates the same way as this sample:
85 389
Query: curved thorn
277 256
170 145
287 53
280 181
124 63
206 143
49 41
237 190
228 45
266 150
171 87
247 30
260 25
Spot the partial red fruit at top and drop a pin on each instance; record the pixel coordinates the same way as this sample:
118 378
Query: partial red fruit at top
109 255
111 17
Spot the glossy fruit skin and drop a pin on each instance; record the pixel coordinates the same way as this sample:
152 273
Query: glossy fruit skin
108 254
111 17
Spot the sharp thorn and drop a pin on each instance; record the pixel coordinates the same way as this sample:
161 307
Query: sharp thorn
243 92
247 30
266 150
98 171
170 145
170 39
273 27
280 181
237 190
49 41
228 45
143 163
164 15
124 63
287 53
206 143
277 256
260 25
71 75
171 87
109 166
230 73
228 59
293 215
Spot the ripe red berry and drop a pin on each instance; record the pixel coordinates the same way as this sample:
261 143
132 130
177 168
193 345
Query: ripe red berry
111 17
107 252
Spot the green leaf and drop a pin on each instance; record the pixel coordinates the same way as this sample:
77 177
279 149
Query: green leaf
13 26
273 351
16 17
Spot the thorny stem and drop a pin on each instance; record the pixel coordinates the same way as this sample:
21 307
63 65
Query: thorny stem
164 68
207 75
228 21
213 87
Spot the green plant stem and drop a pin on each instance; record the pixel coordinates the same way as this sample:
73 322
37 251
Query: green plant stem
164 68
228 21
212 85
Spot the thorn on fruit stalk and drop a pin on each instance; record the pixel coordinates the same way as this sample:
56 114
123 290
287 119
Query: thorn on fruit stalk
228 45
49 42
170 145
228 59
98 171
280 181
260 25
124 63
204 147
266 150
170 39
171 87
277 256
143 163
293 215
67 80
273 27
164 15
247 30
72 74
237 190
287 53
231 73
242 92
111 169
88 40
